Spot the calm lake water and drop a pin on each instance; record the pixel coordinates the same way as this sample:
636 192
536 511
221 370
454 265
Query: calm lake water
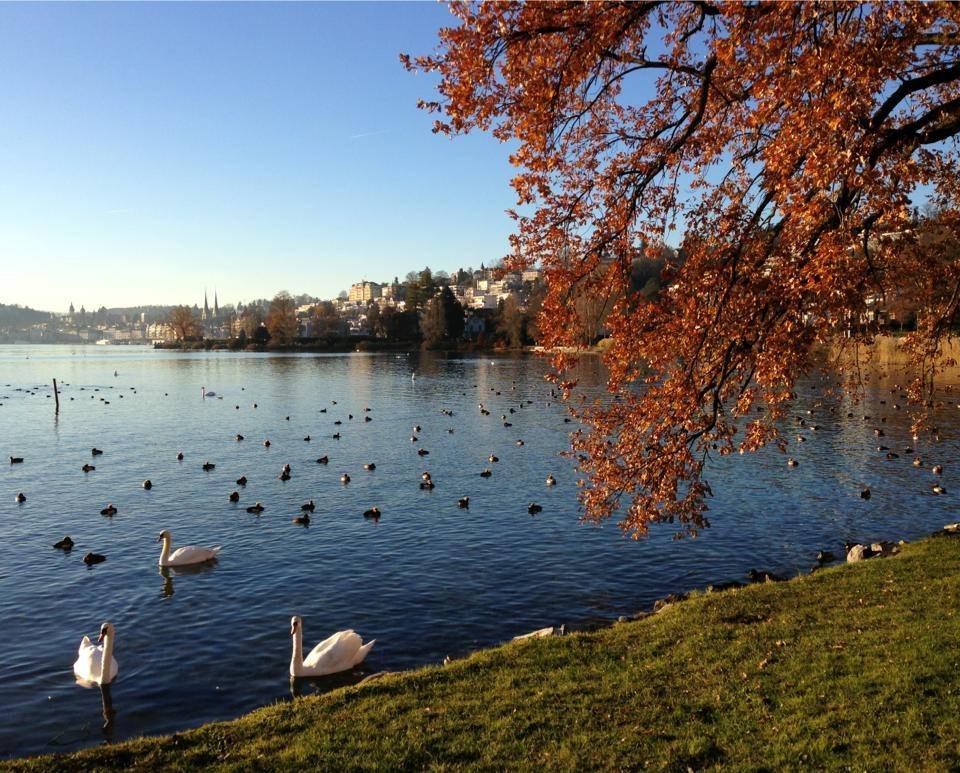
426 581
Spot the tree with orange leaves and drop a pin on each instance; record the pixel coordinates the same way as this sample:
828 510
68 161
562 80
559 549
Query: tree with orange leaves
783 140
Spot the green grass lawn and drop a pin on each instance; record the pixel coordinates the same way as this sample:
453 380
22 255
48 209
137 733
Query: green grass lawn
856 666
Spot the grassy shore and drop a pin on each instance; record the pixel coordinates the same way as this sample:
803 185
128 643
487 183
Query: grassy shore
856 666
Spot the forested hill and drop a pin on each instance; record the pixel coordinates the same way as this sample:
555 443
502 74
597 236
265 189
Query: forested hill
22 315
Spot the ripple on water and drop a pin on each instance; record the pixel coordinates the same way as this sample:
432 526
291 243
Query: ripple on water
428 580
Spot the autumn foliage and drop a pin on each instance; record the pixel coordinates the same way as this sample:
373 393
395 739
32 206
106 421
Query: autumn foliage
782 140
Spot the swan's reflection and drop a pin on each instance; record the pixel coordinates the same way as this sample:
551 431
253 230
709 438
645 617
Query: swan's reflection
317 685
169 572
109 714
106 703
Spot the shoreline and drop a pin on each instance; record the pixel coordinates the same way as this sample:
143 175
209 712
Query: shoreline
559 650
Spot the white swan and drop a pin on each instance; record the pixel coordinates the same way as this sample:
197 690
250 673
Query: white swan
90 659
188 554
340 652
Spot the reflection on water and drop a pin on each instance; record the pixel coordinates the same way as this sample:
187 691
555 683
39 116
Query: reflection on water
428 580
169 572
109 713
317 685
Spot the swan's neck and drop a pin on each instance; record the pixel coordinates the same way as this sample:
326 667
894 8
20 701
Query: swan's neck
165 551
107 659
296 659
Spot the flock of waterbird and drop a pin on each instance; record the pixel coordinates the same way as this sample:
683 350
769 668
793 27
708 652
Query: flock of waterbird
96 665
879 432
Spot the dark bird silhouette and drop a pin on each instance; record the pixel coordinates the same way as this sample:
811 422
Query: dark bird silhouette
148 484
303 520
791 462
937 469
257 508
551 481
180 456
266 444
369 466
486 473
335 436
493 458
373 512
865 494
533 508
109 510
242 480
422 452
323 460
239 437
308 507
344 478
95 451
208 466
88 468
20 497
94 558
463 502
763 576
65 544
307 439
234 496
16 460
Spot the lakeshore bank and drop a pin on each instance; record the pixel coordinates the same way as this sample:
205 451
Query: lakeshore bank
855 666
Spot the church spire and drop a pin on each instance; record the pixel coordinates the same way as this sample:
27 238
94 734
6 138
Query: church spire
216 306
206 305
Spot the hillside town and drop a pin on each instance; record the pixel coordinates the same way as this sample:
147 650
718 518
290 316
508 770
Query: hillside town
367 309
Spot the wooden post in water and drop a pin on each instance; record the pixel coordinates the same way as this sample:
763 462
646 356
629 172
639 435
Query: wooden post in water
56 396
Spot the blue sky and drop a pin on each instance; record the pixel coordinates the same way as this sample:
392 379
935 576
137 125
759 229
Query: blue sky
150 150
